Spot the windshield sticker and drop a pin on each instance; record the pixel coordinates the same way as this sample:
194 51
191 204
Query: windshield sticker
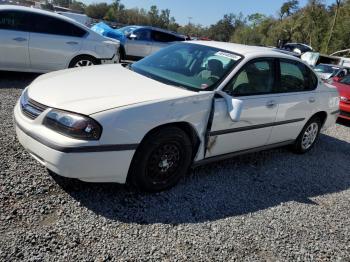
228 55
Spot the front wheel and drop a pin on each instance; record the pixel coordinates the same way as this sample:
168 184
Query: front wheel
161 160
308 136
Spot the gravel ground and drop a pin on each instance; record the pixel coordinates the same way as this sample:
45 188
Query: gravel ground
268 206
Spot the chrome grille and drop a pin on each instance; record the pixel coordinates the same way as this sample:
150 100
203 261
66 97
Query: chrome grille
32 109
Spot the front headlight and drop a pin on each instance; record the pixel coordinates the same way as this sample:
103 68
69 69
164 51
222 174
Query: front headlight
344 99
73 125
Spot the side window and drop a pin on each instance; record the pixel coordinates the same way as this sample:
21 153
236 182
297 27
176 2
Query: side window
50 25
13 20
313 80
255 78
142 34
296 76
162 37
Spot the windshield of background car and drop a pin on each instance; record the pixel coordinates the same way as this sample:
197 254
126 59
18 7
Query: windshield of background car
191 66
345 80
326 69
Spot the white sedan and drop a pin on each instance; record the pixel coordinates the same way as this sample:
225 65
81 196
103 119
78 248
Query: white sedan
186 105
33 40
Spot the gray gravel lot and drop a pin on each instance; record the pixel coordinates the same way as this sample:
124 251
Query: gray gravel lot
268 206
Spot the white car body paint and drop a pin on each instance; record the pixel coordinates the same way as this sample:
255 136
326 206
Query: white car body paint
41 52
129 105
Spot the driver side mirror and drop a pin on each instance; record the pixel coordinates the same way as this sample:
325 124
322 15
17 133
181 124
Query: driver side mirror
234 106
132 36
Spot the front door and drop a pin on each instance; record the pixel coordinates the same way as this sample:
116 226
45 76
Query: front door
254 84
13 41
139 46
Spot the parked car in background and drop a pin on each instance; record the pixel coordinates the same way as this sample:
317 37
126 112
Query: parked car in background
80 18
327 71
343 86
139 41
34 40
298 48
188 104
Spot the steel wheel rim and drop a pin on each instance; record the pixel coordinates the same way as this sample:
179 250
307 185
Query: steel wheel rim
82 63
309 136
164 162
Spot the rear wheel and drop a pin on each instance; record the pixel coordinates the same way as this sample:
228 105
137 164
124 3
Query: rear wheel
82 61
161 160
308 136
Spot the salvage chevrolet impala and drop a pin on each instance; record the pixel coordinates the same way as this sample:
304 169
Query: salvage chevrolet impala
186 105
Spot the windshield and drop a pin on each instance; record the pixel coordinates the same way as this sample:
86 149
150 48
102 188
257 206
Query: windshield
127 29
191 66
345 80
327 69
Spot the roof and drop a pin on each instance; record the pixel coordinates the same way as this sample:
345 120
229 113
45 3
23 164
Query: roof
37 11
155 28
244 50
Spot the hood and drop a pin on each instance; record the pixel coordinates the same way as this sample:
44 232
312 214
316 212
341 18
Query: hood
97 88
343 89
324 76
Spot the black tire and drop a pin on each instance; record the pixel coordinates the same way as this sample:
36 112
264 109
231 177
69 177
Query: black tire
161 160
121 52
299 146
79 58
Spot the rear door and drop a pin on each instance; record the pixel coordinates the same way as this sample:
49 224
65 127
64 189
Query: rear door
54 42
141 45
298 100
254 84
14 40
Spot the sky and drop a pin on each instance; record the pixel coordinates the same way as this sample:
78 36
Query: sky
207 12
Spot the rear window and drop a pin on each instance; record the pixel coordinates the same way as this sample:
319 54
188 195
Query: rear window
51 25
296 76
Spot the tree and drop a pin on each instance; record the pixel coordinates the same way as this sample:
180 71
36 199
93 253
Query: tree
224 28
338 2
288 8
97 11
153 15
77 6
63 3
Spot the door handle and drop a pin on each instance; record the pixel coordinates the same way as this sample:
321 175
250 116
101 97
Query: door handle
72 43
271 104
312 99
19 39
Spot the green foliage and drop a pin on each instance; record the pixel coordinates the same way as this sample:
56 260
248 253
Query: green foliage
325 28
97 11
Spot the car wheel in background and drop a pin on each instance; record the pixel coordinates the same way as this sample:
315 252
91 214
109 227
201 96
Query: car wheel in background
161 160
308 136
83 60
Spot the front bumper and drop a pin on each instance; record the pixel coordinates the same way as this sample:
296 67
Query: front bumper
114 60
104 165
344 110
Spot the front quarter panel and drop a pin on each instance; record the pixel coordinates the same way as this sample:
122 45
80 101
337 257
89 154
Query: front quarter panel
130 124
